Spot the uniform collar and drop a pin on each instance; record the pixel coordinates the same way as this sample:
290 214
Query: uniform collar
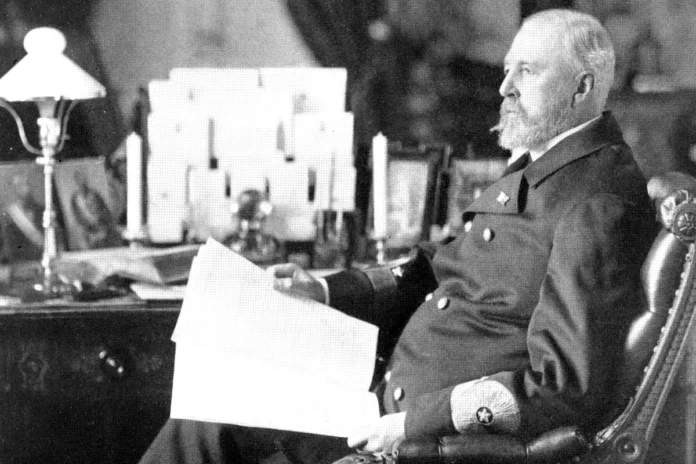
598 134
536 154
503 197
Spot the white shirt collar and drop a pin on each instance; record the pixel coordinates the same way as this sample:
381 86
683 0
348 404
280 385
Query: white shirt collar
536 154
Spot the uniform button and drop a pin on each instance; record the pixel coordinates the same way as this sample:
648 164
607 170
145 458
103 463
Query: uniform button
442 303
428 297
467 226
387 376
484 416
487 234
399 394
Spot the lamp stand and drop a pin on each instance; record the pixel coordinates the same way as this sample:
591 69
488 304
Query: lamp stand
49 137
50 79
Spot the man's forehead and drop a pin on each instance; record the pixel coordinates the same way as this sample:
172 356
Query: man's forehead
534 44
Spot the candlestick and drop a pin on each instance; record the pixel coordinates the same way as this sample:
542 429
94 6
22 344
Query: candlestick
135 227
381 245
379 186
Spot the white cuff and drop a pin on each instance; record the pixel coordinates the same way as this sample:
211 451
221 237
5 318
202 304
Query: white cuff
325 286
482 405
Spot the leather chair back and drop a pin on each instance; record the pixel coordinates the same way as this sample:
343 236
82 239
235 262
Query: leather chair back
657 340
660 277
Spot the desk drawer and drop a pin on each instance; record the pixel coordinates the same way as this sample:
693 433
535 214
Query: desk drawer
86 357
93 388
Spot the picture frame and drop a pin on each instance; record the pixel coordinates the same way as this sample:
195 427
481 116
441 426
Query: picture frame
467 179
411 193
87 208
21 211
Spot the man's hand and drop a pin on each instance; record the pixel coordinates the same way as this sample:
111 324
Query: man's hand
291 278
382 436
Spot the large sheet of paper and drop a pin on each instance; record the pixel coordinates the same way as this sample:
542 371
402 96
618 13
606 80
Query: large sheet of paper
249 355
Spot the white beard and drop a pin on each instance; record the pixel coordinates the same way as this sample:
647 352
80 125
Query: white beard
517 130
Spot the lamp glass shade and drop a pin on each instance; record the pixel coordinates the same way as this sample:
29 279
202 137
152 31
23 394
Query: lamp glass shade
46 73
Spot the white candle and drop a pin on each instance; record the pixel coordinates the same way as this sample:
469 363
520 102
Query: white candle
134 173
379 185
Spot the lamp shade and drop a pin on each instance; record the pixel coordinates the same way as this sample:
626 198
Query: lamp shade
46 73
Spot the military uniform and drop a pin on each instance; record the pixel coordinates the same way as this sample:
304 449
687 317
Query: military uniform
535 296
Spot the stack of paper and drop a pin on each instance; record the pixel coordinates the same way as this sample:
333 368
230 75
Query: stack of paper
249 355
156 266
260 128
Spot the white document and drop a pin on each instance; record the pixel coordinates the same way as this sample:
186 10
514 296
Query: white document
313 89
249 355
226 78
182 138
208 205
166 202
319 135
289 193
148 292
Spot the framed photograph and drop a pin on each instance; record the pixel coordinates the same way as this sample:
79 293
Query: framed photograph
467 180
21 211
412 180
87 208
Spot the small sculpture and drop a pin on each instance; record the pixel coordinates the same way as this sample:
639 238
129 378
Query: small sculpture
250 240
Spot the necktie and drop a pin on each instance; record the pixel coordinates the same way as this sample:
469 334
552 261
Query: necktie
519 164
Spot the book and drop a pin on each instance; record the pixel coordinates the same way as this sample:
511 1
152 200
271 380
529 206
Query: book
159 266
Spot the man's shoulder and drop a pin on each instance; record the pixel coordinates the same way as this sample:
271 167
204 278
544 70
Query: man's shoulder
609 170
605 180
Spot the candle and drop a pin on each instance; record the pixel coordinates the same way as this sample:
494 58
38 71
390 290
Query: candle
379 185
134 193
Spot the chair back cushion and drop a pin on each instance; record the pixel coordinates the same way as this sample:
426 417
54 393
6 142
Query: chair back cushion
660 277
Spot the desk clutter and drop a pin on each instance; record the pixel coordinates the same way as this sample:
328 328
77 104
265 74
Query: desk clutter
260 160
86 209
214 134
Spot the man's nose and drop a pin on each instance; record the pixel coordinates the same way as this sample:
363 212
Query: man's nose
507 87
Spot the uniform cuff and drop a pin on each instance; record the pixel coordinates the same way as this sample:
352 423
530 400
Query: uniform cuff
383 284
484 405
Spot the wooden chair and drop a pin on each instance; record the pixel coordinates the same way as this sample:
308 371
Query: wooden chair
654 349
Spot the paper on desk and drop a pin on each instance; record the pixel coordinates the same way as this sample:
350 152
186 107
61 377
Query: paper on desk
252 356
151 292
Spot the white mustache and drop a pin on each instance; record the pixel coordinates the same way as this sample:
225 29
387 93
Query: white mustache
507 107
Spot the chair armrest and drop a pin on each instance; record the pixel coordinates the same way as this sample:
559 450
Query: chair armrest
557 445
553 446
469 449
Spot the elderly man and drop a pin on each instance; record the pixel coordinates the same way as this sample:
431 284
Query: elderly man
516 324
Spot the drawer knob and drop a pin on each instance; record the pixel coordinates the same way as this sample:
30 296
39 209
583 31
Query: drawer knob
113 364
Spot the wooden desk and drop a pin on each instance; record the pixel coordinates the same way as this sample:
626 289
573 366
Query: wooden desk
84 383
91 384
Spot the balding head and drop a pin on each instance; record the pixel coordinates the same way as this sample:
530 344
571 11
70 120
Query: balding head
586 43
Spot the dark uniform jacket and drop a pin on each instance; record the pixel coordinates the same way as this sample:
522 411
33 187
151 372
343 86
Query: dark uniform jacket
537 294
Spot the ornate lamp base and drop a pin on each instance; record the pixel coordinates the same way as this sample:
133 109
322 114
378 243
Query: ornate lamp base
28 290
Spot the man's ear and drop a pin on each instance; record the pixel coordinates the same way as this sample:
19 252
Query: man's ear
585 85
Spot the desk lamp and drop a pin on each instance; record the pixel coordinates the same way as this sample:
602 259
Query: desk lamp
54 82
